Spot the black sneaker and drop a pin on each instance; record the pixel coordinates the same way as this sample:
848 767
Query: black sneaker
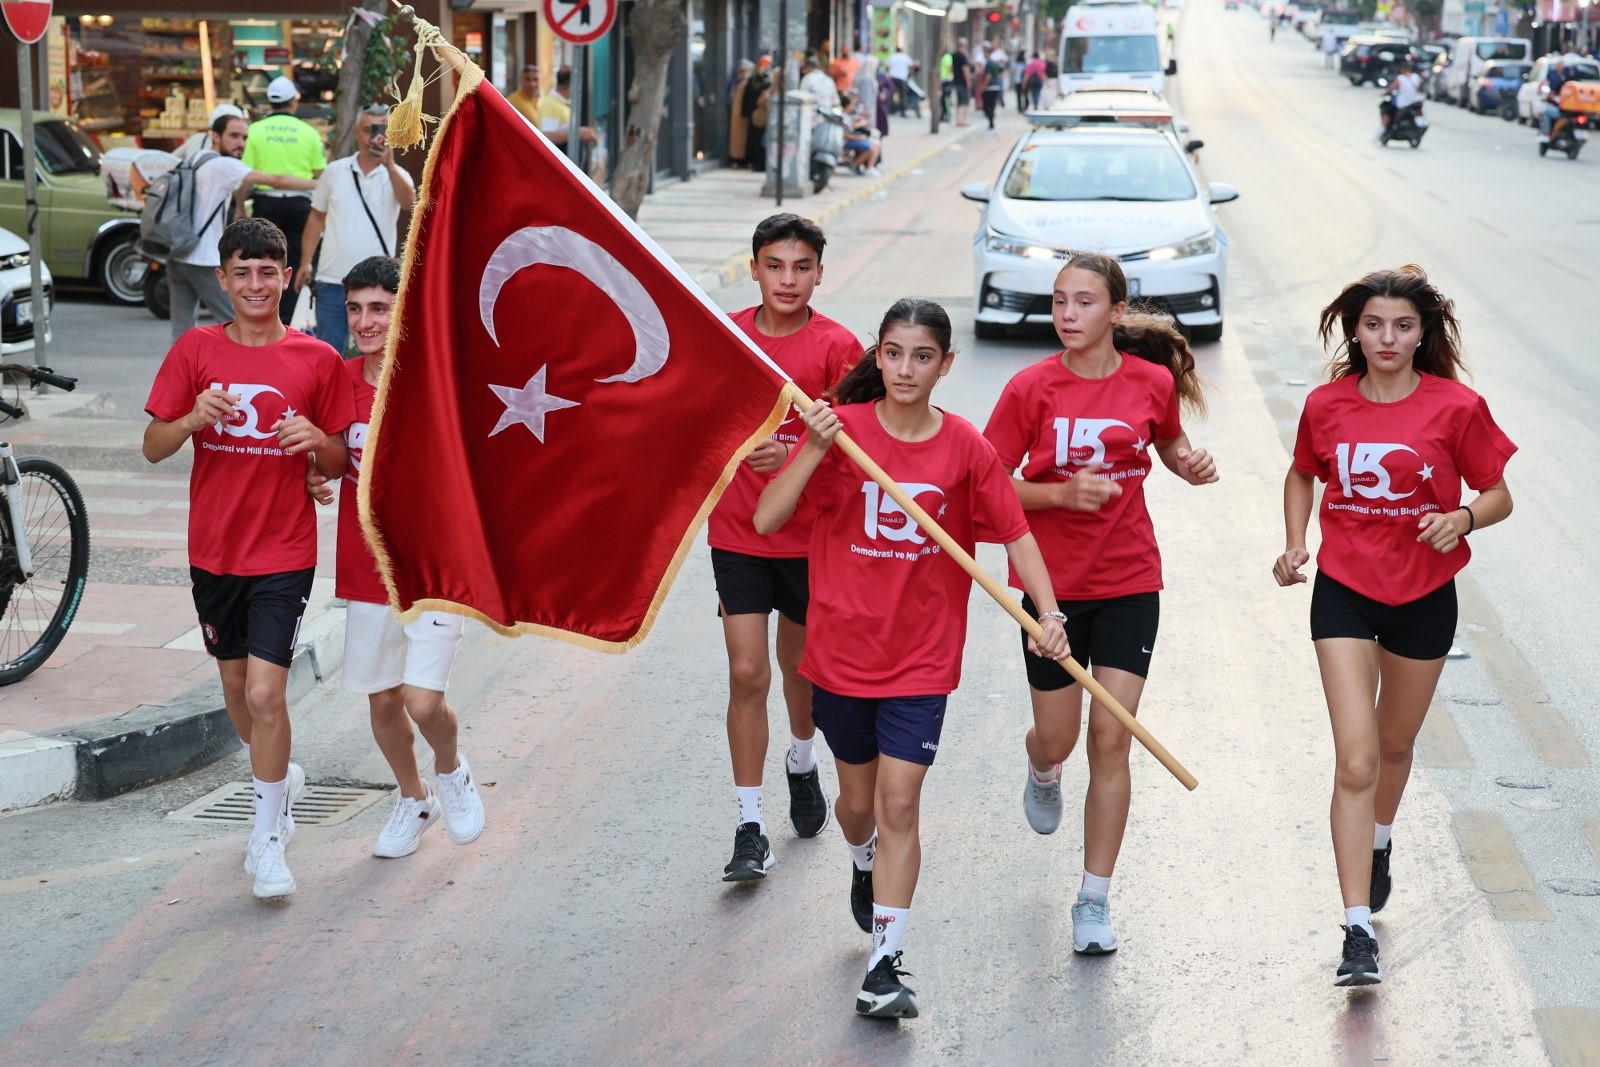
1360 966
808 804
882 996
861 897
752 856
1381 882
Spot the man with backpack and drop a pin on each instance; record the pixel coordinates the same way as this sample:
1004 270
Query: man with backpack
184 223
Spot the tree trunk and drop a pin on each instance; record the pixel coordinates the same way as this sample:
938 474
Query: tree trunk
655 28
348 102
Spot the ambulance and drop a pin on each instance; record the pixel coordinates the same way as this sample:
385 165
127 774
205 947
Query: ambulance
1113 44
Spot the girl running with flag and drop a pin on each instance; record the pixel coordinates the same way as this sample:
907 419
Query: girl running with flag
888 608
1393 435
1080 427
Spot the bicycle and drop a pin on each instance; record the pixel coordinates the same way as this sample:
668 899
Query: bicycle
44 547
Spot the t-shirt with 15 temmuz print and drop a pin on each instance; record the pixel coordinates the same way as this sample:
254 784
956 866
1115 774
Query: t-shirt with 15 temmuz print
815 356
357 575
1065 424
1387 465
888 613
249 512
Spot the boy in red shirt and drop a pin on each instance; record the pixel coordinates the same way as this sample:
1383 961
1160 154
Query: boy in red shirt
402 669
756 574
255 398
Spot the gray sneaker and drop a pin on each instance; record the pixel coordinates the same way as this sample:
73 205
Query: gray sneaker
1041 803
1092 932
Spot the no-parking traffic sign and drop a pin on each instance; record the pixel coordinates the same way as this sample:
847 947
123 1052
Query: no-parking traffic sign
580 21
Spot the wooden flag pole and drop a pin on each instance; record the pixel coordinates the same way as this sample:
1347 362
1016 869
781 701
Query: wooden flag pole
1000 594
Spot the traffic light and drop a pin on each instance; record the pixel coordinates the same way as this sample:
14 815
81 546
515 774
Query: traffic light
994 16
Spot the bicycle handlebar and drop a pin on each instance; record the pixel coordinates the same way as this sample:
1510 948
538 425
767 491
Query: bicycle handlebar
11 410
43 375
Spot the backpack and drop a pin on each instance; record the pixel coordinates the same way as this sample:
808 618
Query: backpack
166 223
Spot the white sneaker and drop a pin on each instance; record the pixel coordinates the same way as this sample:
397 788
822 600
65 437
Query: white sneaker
296 790
463 808
265 861
1092 932
1041 802
408 821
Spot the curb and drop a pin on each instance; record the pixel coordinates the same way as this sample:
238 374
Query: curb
153 742
737 266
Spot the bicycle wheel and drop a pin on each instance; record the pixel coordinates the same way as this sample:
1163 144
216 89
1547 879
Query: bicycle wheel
36 610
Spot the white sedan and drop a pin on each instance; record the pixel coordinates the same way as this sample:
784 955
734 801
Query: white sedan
16 296
1129 193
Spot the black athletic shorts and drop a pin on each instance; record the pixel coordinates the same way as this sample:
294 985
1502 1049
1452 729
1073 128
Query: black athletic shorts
251 615
1119 633
755 585
1422 629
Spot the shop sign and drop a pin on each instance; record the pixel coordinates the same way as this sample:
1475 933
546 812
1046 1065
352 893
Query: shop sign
274 55
580 21
27 19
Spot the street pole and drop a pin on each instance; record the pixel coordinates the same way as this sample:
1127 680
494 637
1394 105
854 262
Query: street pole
30 198
781 68
935 61
580 75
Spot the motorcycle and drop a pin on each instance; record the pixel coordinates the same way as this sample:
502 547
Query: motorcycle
1408 125
1567 134
157 297
827 145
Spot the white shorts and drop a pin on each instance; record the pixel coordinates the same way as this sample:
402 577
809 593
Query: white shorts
380 654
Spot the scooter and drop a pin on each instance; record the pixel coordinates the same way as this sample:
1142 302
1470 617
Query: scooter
1408 125
1567 134
157 296
827 145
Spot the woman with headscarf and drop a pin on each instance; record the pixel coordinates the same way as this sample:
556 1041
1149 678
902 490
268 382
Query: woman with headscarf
754 106
738 120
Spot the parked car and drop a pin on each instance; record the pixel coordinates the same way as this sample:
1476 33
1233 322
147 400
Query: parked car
1531 95
1359 60
1127 192
16 296
1498 79
1433 77
1468 57
81 235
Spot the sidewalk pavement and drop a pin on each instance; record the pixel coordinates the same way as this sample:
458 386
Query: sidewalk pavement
130 697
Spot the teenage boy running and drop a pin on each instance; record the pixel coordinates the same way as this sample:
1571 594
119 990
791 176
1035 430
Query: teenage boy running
756 574
255 398
403 670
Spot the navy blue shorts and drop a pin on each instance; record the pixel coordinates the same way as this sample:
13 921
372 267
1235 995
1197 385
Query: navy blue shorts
1423 629
859 728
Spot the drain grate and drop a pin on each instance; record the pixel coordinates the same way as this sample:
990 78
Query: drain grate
320 805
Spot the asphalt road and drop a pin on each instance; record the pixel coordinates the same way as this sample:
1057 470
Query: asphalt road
588 925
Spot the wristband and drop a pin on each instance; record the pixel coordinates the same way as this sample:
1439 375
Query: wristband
1472 520
1056 615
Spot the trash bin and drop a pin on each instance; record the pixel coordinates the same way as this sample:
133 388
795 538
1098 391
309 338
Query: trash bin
794 161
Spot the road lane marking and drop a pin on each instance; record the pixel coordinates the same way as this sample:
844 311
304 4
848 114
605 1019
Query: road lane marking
155 991
1571 1035
1439 743
1497 867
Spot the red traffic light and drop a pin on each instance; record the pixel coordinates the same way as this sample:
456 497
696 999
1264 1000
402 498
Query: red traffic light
994 16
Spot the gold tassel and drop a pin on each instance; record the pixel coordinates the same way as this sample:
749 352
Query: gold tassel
407 122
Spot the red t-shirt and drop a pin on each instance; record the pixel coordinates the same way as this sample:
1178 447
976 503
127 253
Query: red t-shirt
357 576
1052 423
816 356
1386 466
249 512
888 614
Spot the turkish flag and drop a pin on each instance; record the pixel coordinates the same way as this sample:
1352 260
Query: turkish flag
560 406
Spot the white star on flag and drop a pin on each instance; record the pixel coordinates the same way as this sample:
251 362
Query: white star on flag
528 405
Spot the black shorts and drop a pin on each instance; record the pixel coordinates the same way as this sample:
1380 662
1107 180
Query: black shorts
858 729
1423 629
1119 633
251 615
963 94
755 585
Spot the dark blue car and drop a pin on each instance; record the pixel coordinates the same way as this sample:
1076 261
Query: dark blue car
1504 76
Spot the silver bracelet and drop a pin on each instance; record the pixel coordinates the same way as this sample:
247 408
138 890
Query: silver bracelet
1056 615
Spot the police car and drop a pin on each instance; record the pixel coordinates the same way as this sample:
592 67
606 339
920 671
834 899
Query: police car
1119 189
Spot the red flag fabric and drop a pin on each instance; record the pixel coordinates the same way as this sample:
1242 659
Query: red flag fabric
560 407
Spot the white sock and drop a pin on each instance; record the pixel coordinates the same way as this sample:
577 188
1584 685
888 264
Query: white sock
1045 777
1093 883
270 797
1380 836
888 927
861 855
750 805
802 754
1361 917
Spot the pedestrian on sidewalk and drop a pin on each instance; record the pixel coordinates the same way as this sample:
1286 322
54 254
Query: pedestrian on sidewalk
254 398
1088 421
192 277
963 73
355 214
1394 535
756 575
991 87
1033 78
526 98
947 64
888 611
1019 80
403 669
1330 47
738 118
899 71
283 143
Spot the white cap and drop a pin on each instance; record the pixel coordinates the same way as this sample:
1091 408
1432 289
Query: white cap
281 91
224 109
